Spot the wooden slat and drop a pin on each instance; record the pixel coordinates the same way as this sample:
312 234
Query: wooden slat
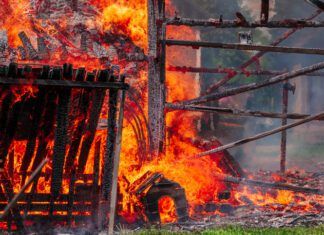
46 198
56 207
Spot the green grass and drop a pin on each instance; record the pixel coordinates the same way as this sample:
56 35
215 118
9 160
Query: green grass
243 231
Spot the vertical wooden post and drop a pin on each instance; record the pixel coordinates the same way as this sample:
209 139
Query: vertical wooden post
156 87
107 176
95 183
70 205
264 11
113 193
285 99
283 146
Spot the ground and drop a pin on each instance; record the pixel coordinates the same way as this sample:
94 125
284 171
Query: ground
243 231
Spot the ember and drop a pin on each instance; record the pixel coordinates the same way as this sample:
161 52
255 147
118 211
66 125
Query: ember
94 122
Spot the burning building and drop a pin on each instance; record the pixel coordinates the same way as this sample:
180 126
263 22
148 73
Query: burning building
95 129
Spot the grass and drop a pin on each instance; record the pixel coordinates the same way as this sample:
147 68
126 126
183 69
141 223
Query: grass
243 231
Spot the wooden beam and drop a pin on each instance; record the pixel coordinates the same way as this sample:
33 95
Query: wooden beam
15 199
216 23
244 47
260 136
264 184
255 85
235 112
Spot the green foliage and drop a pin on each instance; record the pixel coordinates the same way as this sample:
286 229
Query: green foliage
243 231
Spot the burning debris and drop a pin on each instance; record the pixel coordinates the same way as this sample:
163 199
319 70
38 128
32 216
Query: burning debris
61 160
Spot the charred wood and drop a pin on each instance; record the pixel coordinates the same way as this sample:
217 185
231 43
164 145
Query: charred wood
235 46
111 144
256 85
82 112
61 131
236 112
264 11
277 185
7 188
96 106
71 196
216 23
38 105
261 135
31 52
257 56
95 183
14 200
42 49
232 71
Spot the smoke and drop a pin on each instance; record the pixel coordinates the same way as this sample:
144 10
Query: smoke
253 7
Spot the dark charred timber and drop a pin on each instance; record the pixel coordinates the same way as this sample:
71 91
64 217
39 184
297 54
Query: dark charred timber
9 194
148 183
112 198
256 183
45 133
111 144
74 5
84 41
283 144
45 197
216 23
254 86
63 83
97 100
230 71
61 130
138 140
136 99
257 56
139 132
264 11
95 184
236 112
236 46
82 113
38 105
22 53
156 88
14 200
11 164
12 72
42 49
31 52
261 135
10 128
70 204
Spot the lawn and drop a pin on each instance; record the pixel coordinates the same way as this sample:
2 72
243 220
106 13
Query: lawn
243 231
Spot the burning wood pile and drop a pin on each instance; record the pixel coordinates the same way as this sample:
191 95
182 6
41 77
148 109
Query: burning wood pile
65 164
